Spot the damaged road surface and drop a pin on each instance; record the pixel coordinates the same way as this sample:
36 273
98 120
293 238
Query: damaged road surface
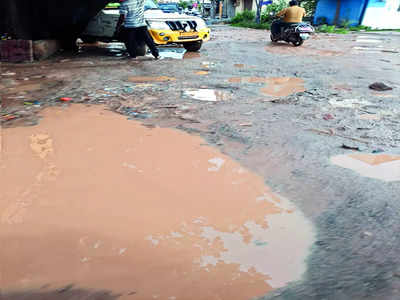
125 208
247 170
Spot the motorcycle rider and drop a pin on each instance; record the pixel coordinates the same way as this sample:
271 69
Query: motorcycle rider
291 15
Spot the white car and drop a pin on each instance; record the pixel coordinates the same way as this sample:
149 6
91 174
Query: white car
164 28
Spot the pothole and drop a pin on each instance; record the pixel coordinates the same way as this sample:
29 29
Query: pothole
92 200
144 79
274 86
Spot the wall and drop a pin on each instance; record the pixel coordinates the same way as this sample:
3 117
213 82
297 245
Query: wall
382 14
325 9
350 10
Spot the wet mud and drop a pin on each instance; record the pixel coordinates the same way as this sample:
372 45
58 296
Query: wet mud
144 79
304 50
274 86
94 201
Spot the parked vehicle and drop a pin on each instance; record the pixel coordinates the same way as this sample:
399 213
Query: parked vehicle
295 33
164 28
170 7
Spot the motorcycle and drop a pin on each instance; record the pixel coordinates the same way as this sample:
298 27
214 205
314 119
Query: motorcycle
294 33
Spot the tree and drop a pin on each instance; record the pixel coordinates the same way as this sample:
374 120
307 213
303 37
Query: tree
337 13
258 11
309 6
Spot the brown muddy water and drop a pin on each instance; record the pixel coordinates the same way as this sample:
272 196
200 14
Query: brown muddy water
274 86
93 200
385 167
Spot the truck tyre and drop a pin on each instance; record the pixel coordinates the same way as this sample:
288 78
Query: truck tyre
69 43
193 46
141 49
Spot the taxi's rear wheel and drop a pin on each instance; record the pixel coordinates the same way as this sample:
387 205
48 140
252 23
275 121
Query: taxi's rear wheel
193 46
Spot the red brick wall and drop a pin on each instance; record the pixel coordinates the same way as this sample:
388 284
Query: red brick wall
16 51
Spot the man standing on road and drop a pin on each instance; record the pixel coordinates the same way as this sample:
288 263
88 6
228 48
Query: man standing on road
134 28
291 15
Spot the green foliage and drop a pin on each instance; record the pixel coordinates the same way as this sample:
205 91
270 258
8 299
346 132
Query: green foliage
253 25
184 4
243 17
309 6
332 29
272 9
345 23
360 28
113 5
344 28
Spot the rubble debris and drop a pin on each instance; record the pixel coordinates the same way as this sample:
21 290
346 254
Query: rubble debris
371 117
9 117
332 133
380 86
327 117
350 147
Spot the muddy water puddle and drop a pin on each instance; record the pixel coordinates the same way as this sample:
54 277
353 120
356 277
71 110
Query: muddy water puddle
305 50
92 200
146 79
274 86
385 167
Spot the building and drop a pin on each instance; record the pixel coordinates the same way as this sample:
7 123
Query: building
379 14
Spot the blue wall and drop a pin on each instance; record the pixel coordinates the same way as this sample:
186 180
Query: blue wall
350 10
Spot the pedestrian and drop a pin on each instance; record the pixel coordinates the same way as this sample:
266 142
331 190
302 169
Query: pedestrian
132 28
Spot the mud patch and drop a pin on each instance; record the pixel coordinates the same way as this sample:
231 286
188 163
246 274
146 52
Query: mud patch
202 73
144 79
90 199
274 86
305 50
284 86
190 55
379 166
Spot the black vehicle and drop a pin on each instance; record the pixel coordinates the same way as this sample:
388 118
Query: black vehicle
295 33
170 7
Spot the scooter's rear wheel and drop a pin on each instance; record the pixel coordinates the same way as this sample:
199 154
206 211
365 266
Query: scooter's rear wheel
298 42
